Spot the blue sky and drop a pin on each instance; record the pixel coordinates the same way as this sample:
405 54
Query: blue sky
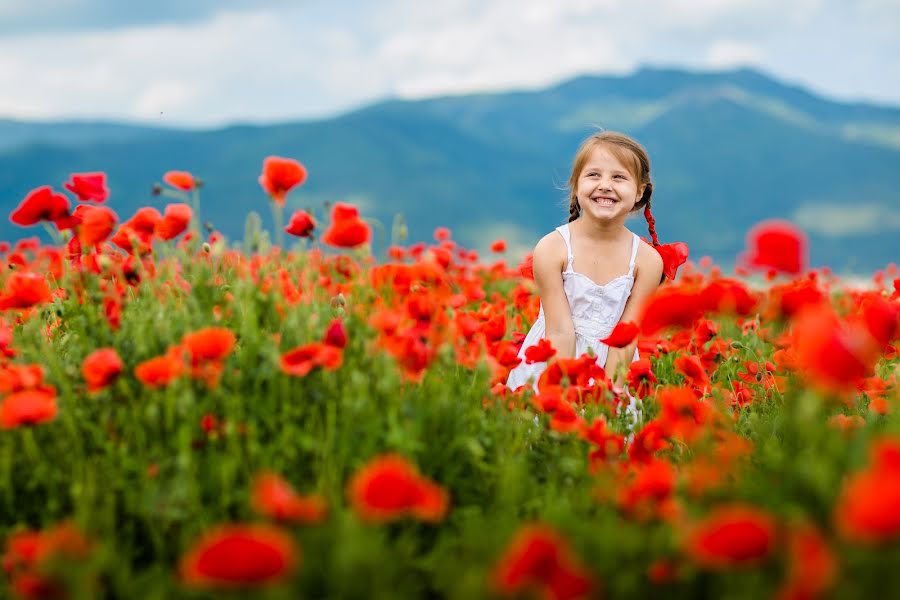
210 62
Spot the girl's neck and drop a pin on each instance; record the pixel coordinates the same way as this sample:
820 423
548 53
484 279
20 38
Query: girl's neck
599 231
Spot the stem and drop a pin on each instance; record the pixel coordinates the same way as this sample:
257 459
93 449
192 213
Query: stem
277 209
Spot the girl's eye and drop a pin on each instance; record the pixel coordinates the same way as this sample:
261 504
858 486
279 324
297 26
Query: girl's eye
620 176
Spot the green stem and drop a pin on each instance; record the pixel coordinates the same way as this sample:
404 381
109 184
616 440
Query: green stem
278 236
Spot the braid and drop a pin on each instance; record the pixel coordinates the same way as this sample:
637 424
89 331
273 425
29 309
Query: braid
574 208
651 222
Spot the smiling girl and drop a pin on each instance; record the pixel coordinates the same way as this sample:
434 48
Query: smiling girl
593 272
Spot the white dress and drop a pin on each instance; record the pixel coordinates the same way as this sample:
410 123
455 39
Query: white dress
596 309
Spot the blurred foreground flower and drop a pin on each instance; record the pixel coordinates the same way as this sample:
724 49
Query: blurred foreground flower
390 488
233 556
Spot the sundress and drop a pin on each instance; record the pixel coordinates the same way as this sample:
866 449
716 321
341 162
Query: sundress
596 309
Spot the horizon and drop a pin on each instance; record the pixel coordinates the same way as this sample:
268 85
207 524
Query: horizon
241 122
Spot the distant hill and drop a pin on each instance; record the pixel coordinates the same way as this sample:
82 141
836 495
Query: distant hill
728 149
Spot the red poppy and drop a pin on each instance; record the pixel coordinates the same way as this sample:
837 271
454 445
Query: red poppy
41 204
280 175
209 344
866 511
276 499
812 565
29 407
389 488
640 377
303 359
777 245
622 335
181 180
831 354
539 559
693 371
24 290
648 489
89 187
159 372
727 296
731 536
347 230
608 443
96 223
673 255
232 556
670 307
540 352
301 224
336 334
174 221
101 368
498 246
526 267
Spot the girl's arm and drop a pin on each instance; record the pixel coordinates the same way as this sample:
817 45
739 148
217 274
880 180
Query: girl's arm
648 269
549 260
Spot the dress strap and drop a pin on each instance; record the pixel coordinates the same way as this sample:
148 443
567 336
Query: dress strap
564 232
634 248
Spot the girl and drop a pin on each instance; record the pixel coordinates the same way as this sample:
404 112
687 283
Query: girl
592 272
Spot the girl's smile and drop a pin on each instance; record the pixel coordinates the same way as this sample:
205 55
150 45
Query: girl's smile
606 187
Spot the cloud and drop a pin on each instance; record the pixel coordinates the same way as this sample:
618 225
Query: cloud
732 53
840 220
18 17
210 62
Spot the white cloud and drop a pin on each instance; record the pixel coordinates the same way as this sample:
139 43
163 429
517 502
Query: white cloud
314 58
732 53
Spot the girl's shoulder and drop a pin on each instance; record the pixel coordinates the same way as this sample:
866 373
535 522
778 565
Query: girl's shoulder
551 248
648 259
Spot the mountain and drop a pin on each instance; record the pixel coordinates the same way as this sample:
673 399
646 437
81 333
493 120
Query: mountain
728 149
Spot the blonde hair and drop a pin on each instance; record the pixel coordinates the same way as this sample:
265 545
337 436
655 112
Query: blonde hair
631 154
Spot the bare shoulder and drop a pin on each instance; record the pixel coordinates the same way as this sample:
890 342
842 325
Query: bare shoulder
550 250
649 261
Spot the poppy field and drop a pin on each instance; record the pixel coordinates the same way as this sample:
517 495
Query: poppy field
185 416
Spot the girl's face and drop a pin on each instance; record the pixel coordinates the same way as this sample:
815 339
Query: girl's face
607 189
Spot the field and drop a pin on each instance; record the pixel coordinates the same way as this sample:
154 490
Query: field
185 417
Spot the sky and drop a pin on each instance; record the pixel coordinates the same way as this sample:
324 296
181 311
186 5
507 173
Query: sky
207 63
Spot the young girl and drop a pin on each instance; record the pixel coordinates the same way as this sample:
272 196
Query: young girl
592 272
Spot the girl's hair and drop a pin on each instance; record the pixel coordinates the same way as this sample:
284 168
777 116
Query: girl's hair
629 153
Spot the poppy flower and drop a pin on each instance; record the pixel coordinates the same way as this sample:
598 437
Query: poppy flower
181 180
812 565
526 267
389 488
174 221
96 223
673 255
540 352
347 230
275 498
158 372
24 290
608 443
539 560
670 307
29 407
301 224
89 187
41 204
727 296
640 377
101 368
866 511
731 536
303 359
209 344
498 246
778 245
693 371
239 556
622 335
832 354
281 175
336 334
647 489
